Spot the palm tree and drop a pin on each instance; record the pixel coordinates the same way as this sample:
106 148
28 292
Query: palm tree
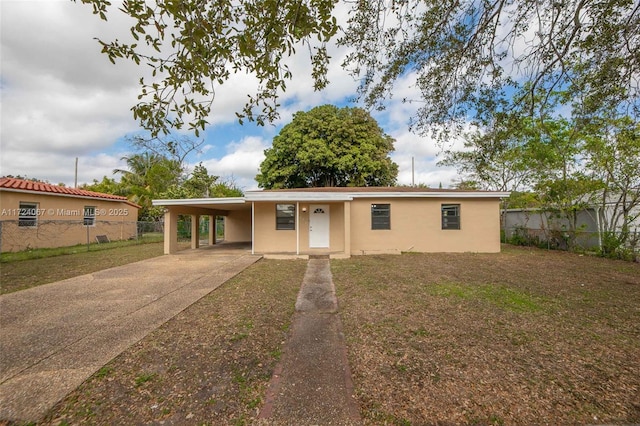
147 176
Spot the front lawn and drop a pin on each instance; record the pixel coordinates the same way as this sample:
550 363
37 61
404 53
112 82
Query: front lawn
522 337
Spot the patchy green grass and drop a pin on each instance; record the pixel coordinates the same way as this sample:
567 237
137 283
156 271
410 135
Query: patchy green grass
23 274
517 338
144 378
80 248
46 267
499 296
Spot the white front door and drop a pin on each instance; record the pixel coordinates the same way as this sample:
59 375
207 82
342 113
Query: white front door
319 226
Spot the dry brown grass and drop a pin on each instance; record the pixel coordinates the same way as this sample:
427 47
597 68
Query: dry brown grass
210 364
23 274
522 337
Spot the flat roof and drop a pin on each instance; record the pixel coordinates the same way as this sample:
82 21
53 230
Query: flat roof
325 195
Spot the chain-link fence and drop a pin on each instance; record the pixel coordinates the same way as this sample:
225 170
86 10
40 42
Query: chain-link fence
184 227
627 245
551 239
16 235
579 231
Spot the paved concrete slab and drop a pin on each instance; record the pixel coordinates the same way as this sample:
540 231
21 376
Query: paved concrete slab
55 336
312 384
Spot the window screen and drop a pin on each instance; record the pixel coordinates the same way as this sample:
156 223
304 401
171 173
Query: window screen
28 215
380 216
89 215
451 216
285 216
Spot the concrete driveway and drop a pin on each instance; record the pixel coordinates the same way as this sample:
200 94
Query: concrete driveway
53 337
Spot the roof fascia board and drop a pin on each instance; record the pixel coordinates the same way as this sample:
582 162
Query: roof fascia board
298 196
322 196
198 201
493 194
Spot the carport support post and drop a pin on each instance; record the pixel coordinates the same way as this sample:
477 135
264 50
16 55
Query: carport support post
195 231
170 232
347 228
212 230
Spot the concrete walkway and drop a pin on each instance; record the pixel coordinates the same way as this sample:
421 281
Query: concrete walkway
312 384
53 337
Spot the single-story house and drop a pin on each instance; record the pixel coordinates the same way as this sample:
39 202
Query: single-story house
41 215
342 222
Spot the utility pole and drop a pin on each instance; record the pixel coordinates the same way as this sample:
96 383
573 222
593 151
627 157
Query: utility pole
413 182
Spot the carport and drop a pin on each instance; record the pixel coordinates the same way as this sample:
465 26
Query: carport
235 211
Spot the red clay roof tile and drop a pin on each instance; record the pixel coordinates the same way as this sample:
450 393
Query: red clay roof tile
27 185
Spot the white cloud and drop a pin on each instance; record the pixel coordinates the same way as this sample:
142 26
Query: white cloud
62 99
60 95
241 163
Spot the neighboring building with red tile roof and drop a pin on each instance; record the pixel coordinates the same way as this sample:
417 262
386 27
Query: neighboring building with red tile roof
41 215
20 185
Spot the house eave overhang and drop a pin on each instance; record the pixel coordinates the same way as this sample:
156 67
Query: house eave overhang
197 202
305 196
320 196
432 194
298 196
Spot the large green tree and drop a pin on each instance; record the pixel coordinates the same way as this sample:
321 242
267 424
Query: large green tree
466 54
329 146
613 160
494 155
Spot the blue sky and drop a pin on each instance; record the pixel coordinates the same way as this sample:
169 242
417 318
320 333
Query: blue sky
62 99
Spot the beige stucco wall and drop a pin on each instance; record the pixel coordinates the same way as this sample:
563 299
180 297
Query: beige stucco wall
266 238
269 240
237 226
416 226
60 221
336 228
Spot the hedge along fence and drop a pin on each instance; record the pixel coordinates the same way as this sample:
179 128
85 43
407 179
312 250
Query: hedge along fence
607 244
18 235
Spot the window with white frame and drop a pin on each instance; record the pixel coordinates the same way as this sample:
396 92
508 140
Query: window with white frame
89 215
451 216
28 214
380 216
285 216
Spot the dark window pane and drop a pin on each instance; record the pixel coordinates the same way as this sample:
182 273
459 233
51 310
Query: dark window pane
451 216
380 216
285 216
28 215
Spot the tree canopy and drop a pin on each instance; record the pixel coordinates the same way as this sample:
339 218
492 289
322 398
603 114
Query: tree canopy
468 56
329 146
151 176
563 165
